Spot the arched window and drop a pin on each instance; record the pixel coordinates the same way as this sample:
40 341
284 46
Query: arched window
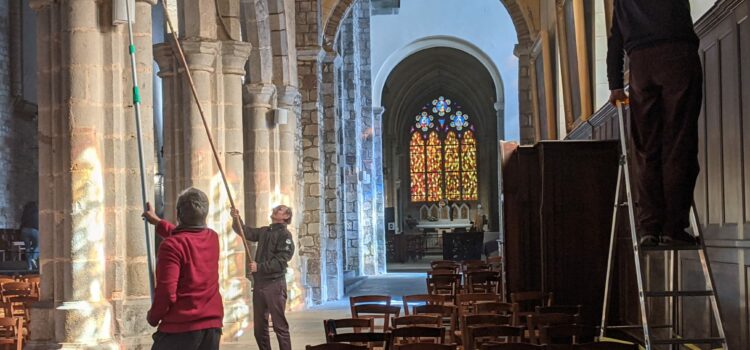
443 154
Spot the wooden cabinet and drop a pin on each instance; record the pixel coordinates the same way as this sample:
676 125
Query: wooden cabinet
558 207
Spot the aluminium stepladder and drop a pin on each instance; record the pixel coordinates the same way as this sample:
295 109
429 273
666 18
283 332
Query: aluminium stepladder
674 341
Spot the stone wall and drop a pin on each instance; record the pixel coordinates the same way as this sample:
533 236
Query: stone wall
18 149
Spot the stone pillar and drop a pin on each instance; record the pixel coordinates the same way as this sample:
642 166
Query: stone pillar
526 107
333 235
235 287
313 226
258 120
379 189
289 180
217 68
81 80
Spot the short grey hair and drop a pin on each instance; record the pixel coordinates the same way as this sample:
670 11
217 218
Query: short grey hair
286 210
192 207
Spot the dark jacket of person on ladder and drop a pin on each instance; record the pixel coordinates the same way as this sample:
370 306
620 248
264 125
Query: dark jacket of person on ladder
666 92
275 250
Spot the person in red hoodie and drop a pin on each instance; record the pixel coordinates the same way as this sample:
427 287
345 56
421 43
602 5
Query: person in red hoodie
187 305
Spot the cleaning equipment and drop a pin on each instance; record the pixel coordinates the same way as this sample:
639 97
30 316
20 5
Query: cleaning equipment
673 335
137 106
181 58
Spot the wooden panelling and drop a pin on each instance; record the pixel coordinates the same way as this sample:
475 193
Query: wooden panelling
713 168
744 42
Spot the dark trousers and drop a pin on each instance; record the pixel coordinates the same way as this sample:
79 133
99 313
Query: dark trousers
204 339
666 93
269 298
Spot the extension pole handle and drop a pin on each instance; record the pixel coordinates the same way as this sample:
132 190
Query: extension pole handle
139 136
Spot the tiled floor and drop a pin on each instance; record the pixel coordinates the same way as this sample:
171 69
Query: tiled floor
306 326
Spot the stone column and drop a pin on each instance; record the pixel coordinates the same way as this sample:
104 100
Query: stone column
289 180
130 275
333 234
525 105
258 119
235 287
312 229
379 189
74 310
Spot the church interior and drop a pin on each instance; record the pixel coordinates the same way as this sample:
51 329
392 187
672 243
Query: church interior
459 155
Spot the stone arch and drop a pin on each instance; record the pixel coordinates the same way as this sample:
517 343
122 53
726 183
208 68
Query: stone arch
256 29
430 42
332 24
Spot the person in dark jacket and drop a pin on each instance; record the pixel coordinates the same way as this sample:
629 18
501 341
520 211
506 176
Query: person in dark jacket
666 92
187 306
30 234
275 249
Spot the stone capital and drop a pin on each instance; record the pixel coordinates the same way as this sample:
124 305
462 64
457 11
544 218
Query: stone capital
38 5
259 95
289 98
378 111
200 55
164 57
234 55
311 53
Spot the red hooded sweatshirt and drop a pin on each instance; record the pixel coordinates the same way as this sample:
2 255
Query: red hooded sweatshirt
187 294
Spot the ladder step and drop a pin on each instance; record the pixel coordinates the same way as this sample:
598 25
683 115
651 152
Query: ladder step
688 341
668 248
661 326
691 293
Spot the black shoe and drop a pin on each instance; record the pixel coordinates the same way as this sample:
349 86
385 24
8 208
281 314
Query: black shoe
649 240
679 239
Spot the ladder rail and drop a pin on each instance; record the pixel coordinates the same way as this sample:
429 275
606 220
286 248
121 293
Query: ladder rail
708 274
631 219
610 258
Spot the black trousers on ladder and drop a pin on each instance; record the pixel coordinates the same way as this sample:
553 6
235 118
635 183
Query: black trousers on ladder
666 93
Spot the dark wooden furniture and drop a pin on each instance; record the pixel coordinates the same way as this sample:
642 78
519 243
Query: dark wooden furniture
558 207
460 246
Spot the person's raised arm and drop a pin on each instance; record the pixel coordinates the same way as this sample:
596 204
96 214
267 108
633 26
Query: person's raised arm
251 234
616 63
167 275
164 228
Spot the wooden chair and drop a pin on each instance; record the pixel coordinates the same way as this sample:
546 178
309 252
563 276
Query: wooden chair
425 346
444 284
445 263
11 332
482 281
423 299
466 303
496 263
336 346
605 346
372 339
417 320
528 301
15 289
495 307
469 321
376 312
513 346
476 335
417 334
474 265
535 323
559 309
447 313
357 325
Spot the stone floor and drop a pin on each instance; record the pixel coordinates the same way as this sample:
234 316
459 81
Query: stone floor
306 326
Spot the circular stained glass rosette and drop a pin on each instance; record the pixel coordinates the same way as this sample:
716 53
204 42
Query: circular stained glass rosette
459 120
424 121
441 106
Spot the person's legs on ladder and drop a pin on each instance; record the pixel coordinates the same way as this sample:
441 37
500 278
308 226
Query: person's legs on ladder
646 133
682 93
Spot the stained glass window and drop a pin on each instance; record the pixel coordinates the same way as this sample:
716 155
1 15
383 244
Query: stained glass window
443 154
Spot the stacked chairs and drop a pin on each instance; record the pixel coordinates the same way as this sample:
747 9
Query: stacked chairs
536 322
528 301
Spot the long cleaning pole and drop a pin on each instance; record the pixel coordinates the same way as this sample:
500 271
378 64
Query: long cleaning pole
137 105
189 75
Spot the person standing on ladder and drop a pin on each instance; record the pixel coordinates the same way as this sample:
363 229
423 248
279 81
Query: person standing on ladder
666 93
275 250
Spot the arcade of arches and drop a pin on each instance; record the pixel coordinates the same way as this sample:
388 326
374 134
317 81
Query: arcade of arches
301 116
